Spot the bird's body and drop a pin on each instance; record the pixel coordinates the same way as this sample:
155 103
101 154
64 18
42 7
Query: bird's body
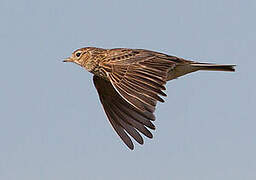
130 82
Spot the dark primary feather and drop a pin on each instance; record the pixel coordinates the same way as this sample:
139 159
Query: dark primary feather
123 116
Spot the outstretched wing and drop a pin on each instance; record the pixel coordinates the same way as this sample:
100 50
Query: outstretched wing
136 81
123 117
139 76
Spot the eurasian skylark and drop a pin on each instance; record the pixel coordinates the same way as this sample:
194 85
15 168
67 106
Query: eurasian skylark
129 82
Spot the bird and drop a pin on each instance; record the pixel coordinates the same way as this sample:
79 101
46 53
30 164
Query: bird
130 82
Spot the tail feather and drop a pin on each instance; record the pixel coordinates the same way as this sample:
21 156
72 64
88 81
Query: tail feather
214 67
182 69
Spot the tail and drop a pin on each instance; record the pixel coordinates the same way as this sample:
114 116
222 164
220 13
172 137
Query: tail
213 67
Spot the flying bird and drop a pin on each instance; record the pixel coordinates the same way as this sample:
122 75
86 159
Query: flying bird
130 82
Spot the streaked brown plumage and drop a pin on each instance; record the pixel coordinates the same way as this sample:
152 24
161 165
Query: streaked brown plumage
130 82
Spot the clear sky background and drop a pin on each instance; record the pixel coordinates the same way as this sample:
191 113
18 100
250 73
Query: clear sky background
52 125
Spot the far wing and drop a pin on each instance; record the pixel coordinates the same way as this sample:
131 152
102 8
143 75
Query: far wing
123 117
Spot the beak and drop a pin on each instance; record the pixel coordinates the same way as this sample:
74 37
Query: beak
68 60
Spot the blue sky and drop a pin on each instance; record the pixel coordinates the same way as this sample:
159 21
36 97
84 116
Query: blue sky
53 125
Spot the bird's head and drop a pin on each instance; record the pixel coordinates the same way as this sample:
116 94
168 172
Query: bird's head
79 56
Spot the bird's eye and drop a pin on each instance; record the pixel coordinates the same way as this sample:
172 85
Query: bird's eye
78 54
